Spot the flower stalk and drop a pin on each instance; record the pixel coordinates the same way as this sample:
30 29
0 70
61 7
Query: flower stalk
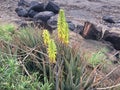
51 46
63 30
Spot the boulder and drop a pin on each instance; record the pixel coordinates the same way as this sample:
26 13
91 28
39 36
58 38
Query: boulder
113 37
108 19
21 12
23 3
32 13
51 6
43 16
91 31
37 6
52 22
32 3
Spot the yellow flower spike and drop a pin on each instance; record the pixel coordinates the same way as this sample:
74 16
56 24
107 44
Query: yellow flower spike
63 30
46 37
67 34
52 51
60 24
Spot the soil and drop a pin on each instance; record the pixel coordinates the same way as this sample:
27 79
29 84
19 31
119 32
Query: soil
77 10
7 10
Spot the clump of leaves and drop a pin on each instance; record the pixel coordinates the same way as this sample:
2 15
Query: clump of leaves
12 76
97 58
6 32
28 37
46 85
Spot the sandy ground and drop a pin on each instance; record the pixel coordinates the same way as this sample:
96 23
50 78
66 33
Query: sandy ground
92 10
79 10
7 10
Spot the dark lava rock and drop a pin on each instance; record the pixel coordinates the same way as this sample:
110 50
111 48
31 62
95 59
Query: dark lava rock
21 12
114 38
44 16
23 3
108 19
90 31
37 6
52 22
79 28
32 13
51 6
71 26
32 3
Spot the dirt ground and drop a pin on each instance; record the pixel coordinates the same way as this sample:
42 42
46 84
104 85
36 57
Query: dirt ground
79 10
7 10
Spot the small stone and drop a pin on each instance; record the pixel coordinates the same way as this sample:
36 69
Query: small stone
79 28
21 12
44 16
38 7
51 6
108 19
71 26
32 13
